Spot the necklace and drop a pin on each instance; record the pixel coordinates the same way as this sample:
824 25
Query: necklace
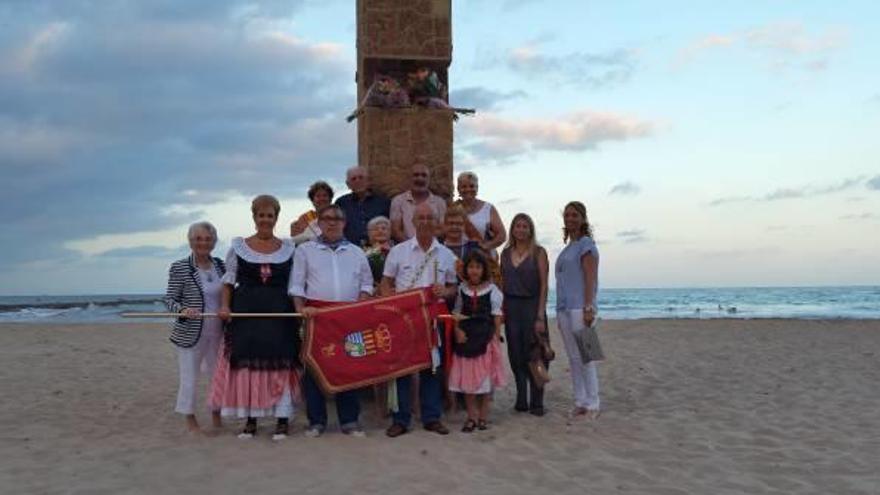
518 257
208 273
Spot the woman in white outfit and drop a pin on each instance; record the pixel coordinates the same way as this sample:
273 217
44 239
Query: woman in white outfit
485 225
577 282
193 288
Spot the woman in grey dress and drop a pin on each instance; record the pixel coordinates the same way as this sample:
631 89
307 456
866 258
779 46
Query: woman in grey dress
524 268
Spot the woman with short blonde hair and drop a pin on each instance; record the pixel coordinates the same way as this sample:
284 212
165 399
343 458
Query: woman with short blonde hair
484 224
259 373
194 288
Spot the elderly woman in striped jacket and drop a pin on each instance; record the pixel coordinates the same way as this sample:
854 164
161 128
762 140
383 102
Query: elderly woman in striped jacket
194 287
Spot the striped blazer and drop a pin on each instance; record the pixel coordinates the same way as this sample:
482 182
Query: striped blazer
185 291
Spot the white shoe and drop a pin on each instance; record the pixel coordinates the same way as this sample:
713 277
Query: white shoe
313 432
279 436
355 432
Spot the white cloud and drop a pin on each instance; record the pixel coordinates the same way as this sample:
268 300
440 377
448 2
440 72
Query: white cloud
806 191
580 131
596 70
627 188
780 45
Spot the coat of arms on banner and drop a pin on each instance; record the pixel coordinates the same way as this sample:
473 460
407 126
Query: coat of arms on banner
352 345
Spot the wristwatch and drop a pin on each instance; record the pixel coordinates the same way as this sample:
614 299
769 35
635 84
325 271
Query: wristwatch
591 308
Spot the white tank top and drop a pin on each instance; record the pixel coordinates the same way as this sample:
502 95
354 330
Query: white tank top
482 218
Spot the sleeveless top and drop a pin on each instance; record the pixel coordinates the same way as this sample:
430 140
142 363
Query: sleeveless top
482 218
522 280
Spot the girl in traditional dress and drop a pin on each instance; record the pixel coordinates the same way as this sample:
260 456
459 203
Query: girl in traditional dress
258 374
477 366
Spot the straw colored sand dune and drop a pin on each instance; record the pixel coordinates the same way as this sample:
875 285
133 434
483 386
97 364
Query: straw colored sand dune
716 407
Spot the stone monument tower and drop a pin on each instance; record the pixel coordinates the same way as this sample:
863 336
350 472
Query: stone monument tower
392 37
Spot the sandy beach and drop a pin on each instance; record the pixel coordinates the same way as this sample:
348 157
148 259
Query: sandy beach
713 406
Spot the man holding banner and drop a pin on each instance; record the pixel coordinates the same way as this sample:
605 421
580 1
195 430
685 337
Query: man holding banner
328 270
420 262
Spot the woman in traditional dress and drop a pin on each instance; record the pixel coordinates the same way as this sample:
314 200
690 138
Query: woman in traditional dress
483 222
194 288
577 282
305 228
524 269
259 373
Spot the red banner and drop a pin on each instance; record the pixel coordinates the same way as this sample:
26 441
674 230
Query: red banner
352 345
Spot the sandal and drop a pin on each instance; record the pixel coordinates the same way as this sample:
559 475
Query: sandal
482 425
469 426
250 429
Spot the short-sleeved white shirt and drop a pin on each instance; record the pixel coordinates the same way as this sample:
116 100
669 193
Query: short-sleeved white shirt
323 274
406 264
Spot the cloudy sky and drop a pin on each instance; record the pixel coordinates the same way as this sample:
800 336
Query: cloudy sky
713 145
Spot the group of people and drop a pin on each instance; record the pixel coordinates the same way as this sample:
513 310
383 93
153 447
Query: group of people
364 245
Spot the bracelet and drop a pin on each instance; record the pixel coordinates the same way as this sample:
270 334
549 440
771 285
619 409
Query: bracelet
590 308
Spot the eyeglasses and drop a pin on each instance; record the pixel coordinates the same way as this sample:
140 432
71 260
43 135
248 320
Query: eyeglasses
331 219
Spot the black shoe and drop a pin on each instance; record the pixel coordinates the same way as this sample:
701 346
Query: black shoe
520 407
282 428
537 411
250 429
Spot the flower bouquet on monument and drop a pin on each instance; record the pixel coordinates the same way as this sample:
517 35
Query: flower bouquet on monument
384 92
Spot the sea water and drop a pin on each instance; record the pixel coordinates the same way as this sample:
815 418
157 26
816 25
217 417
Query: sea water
861 302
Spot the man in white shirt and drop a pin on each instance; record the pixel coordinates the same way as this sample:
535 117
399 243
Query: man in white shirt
417 263
403 206
329 269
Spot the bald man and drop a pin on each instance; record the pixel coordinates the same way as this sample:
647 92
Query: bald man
417 263
361 205
403 206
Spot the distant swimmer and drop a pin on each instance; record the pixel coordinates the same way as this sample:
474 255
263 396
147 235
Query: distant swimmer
731 309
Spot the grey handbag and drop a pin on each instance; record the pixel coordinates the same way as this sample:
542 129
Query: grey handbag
588 344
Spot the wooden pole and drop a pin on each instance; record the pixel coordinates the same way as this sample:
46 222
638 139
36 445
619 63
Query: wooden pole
212 315
248 315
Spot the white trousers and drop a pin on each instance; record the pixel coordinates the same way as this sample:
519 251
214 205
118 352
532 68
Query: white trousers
193 361
584 379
